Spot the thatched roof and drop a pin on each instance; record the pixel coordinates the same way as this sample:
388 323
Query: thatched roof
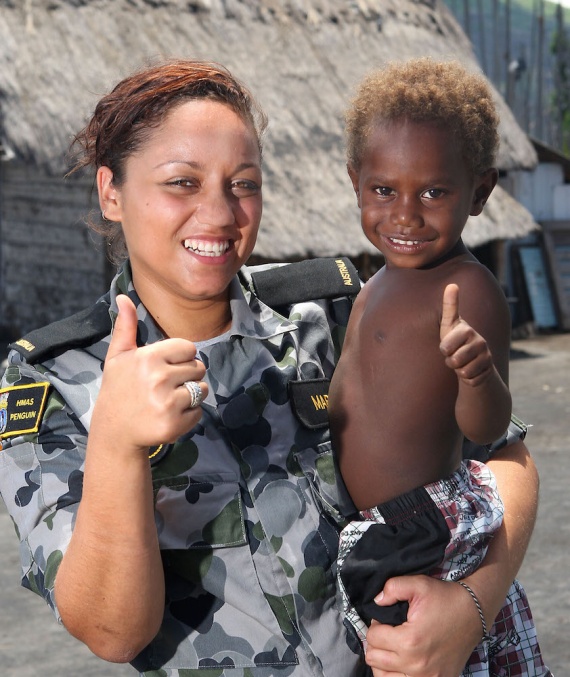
301 58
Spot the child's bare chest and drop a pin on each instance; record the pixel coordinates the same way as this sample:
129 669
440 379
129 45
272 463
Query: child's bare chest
403 307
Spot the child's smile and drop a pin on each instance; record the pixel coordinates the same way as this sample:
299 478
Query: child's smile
416 192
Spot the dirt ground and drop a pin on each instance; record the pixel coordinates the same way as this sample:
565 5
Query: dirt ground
32 644
540 383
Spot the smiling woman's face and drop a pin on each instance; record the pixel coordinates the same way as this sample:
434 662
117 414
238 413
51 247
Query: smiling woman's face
190 204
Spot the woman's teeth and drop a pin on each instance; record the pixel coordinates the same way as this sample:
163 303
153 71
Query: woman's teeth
203 248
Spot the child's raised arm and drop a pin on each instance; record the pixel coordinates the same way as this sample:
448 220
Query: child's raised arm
483 406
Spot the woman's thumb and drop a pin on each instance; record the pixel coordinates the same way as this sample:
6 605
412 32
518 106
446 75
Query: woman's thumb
395 590
125 330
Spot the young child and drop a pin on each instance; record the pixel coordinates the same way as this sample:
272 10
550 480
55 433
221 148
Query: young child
425 359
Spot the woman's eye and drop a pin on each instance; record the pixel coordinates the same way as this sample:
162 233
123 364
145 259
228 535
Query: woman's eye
184 183
244 188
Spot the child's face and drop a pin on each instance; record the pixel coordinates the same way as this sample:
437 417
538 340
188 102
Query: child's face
415 192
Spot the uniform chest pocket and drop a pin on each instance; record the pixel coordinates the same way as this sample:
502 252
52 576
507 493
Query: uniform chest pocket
202 511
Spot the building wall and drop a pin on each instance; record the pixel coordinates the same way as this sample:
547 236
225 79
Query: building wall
543 191
51 265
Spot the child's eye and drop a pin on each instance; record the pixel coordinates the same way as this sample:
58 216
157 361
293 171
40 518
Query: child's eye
384 191
433 193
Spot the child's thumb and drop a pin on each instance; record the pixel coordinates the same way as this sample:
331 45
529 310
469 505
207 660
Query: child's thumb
450 310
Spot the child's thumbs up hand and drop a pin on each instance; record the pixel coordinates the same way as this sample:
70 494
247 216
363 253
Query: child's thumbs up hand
465 351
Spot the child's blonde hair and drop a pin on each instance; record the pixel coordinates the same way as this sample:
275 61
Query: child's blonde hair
425 90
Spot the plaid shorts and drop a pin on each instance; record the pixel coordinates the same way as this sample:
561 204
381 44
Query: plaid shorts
442 529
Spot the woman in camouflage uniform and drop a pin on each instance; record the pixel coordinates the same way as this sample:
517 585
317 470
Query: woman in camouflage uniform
165 454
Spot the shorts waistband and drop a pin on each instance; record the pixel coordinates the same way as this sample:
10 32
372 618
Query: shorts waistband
420 500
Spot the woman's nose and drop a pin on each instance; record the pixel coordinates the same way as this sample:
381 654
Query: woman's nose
215 208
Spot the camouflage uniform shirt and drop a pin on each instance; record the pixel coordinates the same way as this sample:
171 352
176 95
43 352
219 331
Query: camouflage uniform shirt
245 503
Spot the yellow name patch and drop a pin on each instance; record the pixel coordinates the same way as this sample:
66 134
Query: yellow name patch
21 408
310 401
26 345
320 401
344 273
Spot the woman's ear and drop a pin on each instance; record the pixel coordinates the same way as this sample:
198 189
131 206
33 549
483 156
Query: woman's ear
484 185
109 197
354 177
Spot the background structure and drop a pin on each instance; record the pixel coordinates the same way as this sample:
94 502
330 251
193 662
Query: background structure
302 60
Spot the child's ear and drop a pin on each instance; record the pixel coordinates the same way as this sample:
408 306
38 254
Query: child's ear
354 177
484 184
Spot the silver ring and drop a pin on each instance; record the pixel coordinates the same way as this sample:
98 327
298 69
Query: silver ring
195 393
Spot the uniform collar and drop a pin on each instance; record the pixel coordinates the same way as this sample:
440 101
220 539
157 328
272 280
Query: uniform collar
250 317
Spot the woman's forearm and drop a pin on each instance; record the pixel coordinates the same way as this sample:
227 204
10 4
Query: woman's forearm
110 585
517 480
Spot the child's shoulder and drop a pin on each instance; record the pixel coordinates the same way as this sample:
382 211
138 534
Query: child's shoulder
481 297
469 271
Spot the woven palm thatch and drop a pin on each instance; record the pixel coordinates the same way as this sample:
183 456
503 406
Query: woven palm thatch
301 58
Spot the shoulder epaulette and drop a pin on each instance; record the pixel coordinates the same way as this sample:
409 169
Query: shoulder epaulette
75 331
322 278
